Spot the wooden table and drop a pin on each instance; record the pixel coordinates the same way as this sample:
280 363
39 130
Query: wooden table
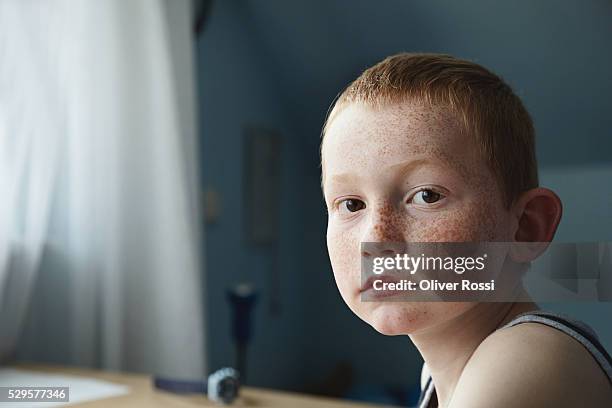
143 394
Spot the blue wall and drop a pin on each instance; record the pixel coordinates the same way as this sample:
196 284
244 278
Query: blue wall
235 91
585 220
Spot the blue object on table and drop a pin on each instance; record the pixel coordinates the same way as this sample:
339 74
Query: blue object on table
242 300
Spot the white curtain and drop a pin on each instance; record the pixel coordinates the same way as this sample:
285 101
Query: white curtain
98 187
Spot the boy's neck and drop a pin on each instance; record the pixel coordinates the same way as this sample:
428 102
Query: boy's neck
447 347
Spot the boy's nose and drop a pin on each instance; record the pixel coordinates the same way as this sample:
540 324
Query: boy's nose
385 232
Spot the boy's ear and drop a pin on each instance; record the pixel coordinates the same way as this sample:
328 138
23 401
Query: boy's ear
538 212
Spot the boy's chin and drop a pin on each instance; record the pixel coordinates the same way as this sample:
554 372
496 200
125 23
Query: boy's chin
396 318
407 318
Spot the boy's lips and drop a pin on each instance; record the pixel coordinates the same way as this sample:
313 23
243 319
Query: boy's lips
369 283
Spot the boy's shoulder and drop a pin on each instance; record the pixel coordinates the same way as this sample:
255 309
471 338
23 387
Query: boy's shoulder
534 365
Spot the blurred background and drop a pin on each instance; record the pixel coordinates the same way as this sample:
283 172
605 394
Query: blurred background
156 154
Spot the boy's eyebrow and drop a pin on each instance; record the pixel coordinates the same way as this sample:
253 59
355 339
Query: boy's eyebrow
439 159
344 178
405 166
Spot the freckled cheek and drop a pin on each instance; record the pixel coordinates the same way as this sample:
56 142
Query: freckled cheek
467 225
345 256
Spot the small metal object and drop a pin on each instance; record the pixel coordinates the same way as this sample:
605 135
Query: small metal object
223 385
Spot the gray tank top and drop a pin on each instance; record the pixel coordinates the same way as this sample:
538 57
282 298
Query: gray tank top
575 329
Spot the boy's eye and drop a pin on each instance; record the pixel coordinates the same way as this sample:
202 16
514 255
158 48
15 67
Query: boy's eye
426 196
353 205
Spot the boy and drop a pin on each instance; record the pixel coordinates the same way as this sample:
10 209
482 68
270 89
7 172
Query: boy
430 148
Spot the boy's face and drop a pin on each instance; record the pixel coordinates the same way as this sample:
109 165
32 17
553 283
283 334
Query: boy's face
404 173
